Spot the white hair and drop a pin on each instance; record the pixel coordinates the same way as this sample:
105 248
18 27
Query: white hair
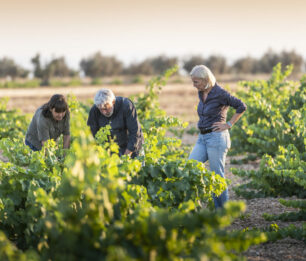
104 96
203 72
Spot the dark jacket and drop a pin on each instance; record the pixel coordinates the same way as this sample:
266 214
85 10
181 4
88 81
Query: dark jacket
125 127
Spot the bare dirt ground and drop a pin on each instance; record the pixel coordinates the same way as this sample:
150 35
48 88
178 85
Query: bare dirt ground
181 100
282 250
176 99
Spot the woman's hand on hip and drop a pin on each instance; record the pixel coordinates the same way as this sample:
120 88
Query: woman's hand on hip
220 126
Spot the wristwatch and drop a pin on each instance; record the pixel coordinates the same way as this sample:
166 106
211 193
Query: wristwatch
229 124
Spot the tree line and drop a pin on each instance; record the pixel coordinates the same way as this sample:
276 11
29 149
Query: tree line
99 65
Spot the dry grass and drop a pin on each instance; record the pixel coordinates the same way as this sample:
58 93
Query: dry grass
178 100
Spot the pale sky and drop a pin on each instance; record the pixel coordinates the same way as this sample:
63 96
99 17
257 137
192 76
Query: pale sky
133 30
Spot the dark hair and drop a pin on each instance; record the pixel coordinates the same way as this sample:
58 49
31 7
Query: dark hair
58 102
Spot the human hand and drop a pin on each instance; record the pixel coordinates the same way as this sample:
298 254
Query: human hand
128 152
220 126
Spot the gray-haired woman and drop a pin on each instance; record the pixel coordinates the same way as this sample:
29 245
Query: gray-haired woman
214 139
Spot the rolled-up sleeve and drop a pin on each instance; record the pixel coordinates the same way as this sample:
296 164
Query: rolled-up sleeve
233 102
133 126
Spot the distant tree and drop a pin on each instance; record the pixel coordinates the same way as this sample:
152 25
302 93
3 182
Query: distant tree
142 68
292 57
189 63
38 71
217 64
268 61
57 67
245 65
9 68
99 65
162 63
153 65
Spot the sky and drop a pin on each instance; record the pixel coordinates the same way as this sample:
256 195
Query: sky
133 30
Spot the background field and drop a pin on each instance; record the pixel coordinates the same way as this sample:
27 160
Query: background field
181 100
176 99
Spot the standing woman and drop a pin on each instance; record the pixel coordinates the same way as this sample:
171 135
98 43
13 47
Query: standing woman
49 122
214 139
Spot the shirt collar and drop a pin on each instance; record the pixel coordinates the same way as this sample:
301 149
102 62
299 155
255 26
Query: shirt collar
212 91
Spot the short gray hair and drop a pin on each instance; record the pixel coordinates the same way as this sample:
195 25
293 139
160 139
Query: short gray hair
203 72
104 96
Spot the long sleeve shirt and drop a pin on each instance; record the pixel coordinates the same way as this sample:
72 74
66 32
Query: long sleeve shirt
42 128
216 105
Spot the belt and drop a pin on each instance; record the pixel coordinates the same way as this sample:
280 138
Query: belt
206 130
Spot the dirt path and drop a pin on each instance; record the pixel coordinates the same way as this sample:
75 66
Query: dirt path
180 100
176 99
78 91
282 250
28 100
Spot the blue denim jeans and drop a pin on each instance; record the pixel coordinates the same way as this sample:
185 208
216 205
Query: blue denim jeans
31 146
213 147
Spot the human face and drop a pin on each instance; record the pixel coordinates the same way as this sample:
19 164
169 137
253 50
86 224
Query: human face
106 109
200 84
58 116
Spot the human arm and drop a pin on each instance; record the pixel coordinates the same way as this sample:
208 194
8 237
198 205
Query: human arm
133 126
66 132
221 126
229 100
128 152
92 121
66 142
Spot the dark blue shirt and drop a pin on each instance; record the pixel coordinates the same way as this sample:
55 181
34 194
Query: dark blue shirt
125 127
216 105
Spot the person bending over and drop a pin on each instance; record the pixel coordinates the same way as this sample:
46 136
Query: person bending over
49 122
120 114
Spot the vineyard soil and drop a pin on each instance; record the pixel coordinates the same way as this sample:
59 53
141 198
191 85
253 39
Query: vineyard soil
286 249
180 100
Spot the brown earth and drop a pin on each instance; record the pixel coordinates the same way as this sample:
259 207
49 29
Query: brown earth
180 100
282 250
176 99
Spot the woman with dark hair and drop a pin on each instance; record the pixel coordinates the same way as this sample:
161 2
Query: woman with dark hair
49 122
